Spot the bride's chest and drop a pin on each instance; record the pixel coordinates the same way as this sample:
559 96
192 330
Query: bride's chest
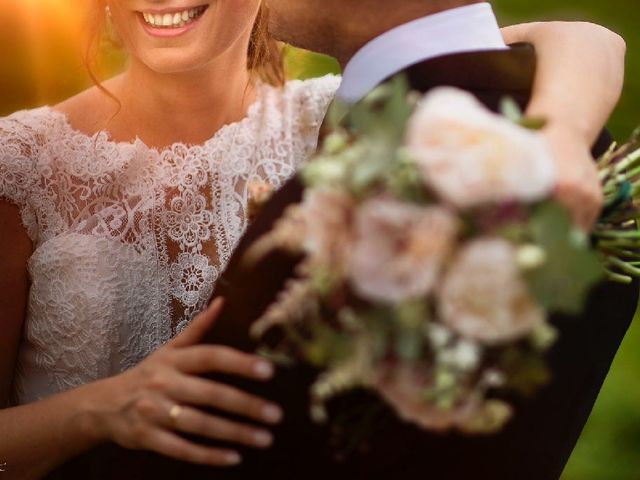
144 236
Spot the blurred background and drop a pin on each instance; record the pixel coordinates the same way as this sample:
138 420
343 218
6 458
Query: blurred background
41 63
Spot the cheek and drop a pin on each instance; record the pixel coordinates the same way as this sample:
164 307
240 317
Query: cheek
234 17
125 22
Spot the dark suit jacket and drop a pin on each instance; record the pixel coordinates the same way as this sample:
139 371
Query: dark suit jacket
535 445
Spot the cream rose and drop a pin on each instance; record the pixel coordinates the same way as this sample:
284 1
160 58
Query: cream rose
399 249
471 156
484 297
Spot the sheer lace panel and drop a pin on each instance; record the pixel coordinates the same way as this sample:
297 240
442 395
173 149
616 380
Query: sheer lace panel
129 241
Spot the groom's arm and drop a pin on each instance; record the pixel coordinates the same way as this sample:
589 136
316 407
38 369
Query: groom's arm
579 80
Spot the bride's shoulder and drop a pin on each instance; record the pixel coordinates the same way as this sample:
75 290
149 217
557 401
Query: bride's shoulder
22 135
319 91
24 126
320 88
308 98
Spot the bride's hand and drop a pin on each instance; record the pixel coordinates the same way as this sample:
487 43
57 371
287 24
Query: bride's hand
147 407
578 185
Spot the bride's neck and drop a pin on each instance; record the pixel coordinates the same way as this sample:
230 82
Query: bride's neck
188 107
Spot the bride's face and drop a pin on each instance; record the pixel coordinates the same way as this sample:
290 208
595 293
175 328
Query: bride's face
173 36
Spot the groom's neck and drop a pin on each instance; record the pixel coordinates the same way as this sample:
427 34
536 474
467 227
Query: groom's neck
378 19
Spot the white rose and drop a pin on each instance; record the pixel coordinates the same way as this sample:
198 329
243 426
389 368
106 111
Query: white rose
471 156
399 249
484 297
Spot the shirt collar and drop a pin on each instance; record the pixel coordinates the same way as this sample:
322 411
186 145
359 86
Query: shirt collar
463 29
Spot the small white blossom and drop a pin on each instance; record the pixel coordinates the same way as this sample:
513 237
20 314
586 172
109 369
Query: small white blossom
531 257
493 378
464 356
438 335
471 156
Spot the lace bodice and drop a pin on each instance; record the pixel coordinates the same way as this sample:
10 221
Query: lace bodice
128 240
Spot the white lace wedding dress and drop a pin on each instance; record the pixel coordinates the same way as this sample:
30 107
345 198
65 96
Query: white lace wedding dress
129 241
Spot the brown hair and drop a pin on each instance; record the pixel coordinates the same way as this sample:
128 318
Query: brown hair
265 59
265 53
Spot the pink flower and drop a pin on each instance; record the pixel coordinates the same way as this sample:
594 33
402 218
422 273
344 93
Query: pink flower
403 387
259 193
471 156
484 297
399 249
328 217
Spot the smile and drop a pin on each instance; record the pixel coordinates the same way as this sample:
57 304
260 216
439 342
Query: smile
173 20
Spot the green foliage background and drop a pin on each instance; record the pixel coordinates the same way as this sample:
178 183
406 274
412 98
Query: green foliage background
46 69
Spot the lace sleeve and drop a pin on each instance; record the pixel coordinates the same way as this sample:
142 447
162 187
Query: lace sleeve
314 97
18 150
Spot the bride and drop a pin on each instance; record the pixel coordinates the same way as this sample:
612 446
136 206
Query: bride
120 207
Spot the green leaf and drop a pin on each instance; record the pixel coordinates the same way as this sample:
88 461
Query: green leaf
384 113
408 345
337 113
526 372
510 109
562 283
533 123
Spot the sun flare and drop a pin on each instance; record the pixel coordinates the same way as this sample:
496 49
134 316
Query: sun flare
42 43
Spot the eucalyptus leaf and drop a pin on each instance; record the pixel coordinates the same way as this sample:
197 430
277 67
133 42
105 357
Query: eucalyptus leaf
572 268
510 109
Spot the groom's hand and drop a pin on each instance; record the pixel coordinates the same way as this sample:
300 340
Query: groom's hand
578 188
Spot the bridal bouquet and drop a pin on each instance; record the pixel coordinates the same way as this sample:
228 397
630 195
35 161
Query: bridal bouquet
433 255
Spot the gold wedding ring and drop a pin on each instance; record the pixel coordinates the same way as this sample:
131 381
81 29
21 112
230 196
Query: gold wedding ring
174 413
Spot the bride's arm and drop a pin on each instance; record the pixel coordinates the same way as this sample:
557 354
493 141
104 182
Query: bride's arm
131 409
578 83
580 72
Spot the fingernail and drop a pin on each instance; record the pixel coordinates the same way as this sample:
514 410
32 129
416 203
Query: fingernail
263 369
233 458
272 413
262 439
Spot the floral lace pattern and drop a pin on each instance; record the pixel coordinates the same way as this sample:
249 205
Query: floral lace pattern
129 240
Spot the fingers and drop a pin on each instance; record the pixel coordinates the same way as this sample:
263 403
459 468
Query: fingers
199 326
583 204
196 391
173 446
193 421
207 358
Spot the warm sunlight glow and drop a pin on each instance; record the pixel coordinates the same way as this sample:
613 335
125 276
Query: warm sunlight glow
43 41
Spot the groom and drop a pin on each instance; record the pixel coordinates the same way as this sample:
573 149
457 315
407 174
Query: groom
445 42
460 46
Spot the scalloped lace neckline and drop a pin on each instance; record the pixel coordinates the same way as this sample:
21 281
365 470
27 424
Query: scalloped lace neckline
104 136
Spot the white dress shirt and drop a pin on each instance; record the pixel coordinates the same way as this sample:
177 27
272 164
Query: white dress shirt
464 29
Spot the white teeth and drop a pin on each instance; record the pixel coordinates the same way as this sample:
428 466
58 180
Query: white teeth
178 19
